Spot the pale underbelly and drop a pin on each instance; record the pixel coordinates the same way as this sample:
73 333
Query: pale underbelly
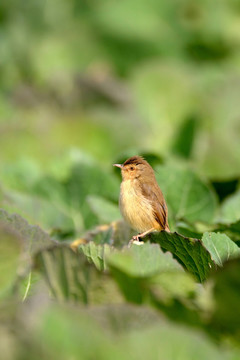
136 210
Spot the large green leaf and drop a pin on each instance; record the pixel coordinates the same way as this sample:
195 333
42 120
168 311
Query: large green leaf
220 246
67 273
35 209
189 252
71 276
138 268
143 260
186 194
34 237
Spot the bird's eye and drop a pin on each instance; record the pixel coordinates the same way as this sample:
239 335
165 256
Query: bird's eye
131 168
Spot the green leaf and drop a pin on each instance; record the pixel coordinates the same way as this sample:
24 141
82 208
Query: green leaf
233 230
120 332
96 253
220 246
186 194
143 260
117 233
87 178
10 249
21 174
105 210
188 230
183 143
147 275
226 313
66 272
230 208
225 187
189 252
34 237
72 277
132 267
35 209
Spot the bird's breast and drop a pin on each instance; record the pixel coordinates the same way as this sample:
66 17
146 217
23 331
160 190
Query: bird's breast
135 208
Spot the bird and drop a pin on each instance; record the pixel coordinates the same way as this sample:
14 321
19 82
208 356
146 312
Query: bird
141 200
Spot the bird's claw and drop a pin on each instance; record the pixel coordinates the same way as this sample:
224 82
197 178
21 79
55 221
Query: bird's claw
135 240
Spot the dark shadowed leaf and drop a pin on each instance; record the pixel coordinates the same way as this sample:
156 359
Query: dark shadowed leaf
225 188
188 230
232 230
226 314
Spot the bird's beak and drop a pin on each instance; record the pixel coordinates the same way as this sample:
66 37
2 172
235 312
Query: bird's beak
118 165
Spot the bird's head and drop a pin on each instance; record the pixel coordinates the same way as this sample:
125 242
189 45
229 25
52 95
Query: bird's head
134 168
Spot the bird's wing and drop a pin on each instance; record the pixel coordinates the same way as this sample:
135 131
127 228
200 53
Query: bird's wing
154 194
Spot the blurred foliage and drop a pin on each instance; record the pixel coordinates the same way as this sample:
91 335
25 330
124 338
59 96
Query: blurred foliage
87 84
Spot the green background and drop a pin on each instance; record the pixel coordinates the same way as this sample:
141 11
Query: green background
85 84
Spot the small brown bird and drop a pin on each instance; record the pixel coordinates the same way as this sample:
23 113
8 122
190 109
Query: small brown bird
141 200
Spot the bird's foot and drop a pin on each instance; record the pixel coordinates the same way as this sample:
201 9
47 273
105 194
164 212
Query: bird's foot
135 240
136 237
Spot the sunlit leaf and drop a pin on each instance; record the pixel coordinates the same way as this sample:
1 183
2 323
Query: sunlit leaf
220 246
230 209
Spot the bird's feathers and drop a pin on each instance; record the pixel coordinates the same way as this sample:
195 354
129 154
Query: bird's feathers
154 195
